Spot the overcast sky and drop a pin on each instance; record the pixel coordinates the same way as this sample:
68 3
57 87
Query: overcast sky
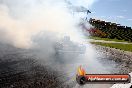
119 11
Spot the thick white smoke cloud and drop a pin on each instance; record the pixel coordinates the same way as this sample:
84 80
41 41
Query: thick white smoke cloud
85 3
25 23
21 20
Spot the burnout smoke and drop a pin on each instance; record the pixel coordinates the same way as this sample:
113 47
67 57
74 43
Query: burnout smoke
39 24
21 20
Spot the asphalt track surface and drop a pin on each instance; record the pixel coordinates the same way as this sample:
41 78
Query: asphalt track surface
103 41
20 69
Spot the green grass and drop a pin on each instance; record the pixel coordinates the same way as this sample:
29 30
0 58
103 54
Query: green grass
106 39
125 47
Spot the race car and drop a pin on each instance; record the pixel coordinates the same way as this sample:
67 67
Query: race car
66 49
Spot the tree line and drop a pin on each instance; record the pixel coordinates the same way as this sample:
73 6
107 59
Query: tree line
110 30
